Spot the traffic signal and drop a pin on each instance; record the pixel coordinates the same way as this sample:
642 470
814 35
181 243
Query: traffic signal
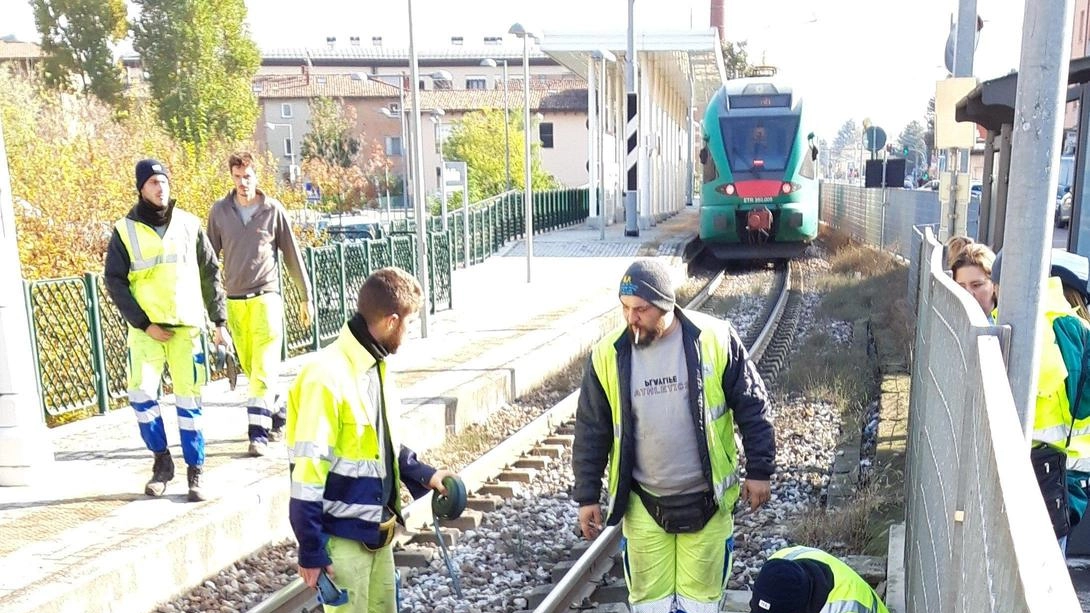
904 151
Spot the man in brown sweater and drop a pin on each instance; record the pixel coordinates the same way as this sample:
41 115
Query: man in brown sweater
253 230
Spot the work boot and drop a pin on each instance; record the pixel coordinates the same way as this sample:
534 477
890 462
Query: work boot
193 476
258 449
161 474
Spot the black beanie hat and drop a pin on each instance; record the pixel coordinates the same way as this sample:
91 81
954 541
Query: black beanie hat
146 169
782 586
650 280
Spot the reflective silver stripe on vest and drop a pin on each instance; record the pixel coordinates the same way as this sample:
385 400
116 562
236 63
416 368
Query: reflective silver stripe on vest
716 412
1051 435
354 469
138 260
798 552
722 487
1082 464
307 493
848 606
306 449
366 512
616 431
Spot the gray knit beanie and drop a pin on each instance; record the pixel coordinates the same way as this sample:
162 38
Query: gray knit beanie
650 280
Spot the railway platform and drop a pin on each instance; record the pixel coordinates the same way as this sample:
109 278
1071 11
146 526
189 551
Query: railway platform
86 538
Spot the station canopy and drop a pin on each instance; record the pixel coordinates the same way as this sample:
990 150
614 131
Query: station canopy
681 55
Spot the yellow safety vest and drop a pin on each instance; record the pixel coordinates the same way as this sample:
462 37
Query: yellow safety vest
333 442
850 593
718 420
1052 419
163 274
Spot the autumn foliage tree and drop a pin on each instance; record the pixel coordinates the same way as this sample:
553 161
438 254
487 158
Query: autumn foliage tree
478 141
72 173
76 42
200 62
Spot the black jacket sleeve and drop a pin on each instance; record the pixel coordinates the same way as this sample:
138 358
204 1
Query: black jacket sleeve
215 300
414 473
116 275
748 398
593 439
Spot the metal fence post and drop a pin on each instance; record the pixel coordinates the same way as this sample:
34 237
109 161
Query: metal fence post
315 340
98 354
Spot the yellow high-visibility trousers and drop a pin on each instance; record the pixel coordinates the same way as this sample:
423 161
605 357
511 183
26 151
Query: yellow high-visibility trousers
185 359
665 571
257 328
367 574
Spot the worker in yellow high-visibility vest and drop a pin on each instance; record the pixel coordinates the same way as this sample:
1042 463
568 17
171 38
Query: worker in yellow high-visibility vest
808 580
163 275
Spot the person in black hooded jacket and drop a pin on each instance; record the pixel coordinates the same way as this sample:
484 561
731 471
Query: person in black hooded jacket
163 275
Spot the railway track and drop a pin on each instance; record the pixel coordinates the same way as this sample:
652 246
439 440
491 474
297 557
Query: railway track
575 591
576 588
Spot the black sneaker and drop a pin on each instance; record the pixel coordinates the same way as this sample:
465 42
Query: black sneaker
162 471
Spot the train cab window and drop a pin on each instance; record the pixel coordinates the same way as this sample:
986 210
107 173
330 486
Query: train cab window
756 144
808 168
708 165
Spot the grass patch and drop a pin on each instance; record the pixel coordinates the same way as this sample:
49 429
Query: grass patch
851 529
862 284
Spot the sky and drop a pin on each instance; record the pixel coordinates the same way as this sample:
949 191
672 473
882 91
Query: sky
851 59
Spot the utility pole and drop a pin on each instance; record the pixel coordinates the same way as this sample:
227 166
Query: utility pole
958 159
634 151
25 449
420 199
1038 117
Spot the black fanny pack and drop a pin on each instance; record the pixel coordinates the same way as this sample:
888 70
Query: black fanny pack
681 513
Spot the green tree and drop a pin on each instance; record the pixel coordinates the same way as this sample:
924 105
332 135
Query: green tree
76 43
478 141
735 59
200 62
330 138
912 139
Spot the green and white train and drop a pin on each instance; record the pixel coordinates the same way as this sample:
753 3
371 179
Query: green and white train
759 194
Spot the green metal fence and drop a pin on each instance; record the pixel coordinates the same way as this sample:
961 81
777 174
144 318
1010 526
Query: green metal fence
79 338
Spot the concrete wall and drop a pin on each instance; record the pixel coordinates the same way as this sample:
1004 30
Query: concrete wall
978 537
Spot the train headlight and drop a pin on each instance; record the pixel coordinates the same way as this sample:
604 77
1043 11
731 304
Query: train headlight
727 189
787 188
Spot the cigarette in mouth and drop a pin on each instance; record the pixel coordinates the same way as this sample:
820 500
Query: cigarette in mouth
637 334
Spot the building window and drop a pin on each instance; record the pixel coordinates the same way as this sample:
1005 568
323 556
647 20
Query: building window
493 40
393 145
476 83
287 148
376 41
285 110
545 133
457 40
423 84
395 107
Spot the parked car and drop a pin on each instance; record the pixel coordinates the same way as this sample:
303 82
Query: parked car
1063 210
344 228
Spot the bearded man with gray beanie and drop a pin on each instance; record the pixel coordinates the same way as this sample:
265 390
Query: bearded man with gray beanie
159 266
659 401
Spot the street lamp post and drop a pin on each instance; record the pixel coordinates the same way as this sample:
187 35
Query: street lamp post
437 119
506 120
603 56
528 204
418 172
291 139
406 145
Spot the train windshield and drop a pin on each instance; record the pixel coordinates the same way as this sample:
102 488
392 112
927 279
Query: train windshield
756 144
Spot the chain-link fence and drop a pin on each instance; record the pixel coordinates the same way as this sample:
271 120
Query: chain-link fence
885 217
79 337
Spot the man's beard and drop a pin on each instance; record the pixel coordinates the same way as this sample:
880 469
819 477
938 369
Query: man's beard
643 338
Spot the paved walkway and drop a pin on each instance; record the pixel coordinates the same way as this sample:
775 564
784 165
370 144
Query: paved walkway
87 539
